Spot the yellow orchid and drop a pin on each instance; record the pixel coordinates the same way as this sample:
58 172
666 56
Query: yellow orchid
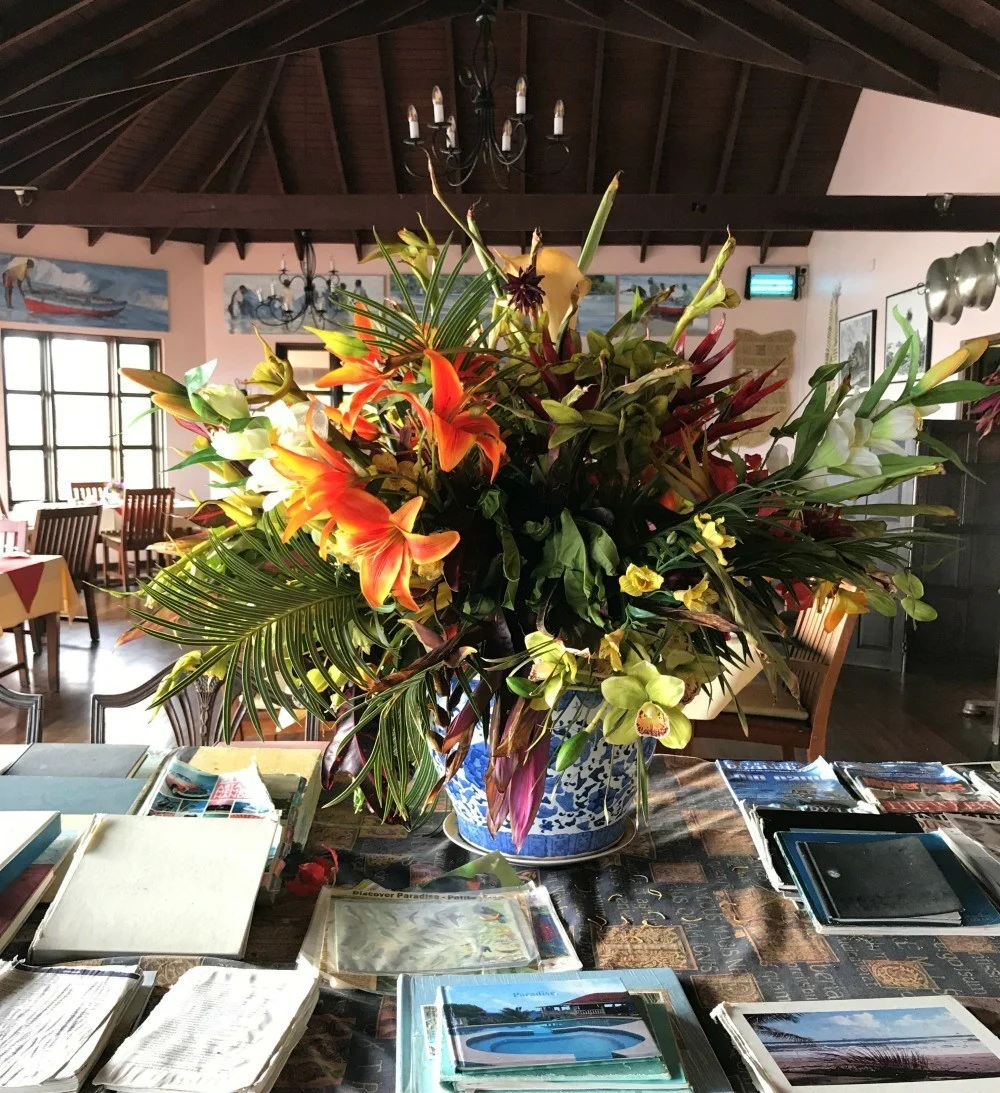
610 649
846 601
637 580
562 282
713 536
698 597
552 663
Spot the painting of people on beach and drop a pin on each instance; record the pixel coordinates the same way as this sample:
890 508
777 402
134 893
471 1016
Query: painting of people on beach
663 315
860 1046
57 292
264 298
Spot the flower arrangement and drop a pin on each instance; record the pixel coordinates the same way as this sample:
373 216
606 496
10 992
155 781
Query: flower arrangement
500 509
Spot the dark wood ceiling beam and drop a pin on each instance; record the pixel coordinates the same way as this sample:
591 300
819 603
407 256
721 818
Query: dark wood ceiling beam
946 28
90 41
869 41
326 100
23 19
821 57
158 237
728 144
792 151
238 168
256 31
509 212
22 230
669 77
758 25
242 241
280 168
595 116
175 138
382 102
675 16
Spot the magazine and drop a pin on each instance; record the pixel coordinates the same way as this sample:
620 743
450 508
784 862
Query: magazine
514 1025
183 790
925 788
786 784
869 1045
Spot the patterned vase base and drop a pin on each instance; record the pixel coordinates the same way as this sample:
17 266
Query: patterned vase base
479 841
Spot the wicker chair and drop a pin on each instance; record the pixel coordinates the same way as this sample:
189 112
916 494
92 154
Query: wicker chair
145 519
196 715
780 720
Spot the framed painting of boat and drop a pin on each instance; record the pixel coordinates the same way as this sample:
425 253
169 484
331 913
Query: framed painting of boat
59 292
665 314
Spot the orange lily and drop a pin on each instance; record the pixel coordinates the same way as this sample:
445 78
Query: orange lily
385 546
320 482
458 427
343 422
846 601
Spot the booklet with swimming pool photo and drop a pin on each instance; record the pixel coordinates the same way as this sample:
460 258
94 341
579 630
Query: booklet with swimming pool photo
511 1025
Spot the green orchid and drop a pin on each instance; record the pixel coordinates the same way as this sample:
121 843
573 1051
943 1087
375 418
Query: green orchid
553 665
642 701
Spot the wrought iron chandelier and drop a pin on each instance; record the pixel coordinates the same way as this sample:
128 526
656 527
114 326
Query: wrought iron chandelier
503 151
299 298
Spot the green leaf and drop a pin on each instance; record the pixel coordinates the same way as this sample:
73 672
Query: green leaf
598 343
883 603
908 583
339 343
848 491
918 610
203 410
511 566
591 243
561 414
901 510
204 455
521 686
562 433
194 378
571 749
881 385
955 391
827 372
937 445
603 552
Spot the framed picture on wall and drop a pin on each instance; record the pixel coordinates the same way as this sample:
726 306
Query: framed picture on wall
912 305
856 346
662 318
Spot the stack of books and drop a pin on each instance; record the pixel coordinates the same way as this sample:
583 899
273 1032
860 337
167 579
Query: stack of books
217 1030
594 1031
56 1022
984 776
926 789
867 1045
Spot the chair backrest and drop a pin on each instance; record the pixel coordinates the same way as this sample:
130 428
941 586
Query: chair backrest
196 714
146 516
816 658
72 532
88 491
33 705
13 535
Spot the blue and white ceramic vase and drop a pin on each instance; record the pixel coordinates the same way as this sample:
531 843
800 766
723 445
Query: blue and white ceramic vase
584 810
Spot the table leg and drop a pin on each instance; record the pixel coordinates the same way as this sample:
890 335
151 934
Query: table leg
52 646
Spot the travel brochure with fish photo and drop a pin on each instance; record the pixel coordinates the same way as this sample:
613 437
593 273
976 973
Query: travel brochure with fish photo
522 1025
58 292
916 787
783 783
874 1044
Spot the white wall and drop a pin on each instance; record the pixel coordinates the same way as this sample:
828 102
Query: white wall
900 146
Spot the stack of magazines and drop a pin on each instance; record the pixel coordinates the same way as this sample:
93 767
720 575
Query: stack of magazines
593 1031
925 789
868 1045
56 1021
217 1030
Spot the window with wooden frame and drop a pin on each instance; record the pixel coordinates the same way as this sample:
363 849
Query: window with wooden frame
70 417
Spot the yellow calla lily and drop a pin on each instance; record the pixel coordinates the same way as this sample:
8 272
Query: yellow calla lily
561 279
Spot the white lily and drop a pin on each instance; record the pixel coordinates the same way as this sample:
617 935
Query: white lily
897 425
249 443
845 449
226 400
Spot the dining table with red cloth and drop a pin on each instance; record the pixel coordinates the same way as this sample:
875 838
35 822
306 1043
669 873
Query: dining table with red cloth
37 586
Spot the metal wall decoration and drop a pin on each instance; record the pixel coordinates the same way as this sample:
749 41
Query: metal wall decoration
968 279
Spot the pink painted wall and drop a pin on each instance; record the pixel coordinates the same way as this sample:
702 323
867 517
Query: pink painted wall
901 146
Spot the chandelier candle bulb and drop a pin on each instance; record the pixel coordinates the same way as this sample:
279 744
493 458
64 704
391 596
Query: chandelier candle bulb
411 117
437 101
451 133
521 96
505 137
557 118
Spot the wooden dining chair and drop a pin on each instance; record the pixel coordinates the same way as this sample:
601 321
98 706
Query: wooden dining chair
72 532
816 657
196 714
33 705
88 491
13 536
145 519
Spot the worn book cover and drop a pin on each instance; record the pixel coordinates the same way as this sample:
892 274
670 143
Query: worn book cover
785 784
918 787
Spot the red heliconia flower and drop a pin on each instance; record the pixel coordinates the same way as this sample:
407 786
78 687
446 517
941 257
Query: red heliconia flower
798 596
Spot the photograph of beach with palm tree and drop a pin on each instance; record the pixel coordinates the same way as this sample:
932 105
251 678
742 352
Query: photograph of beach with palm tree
873 1046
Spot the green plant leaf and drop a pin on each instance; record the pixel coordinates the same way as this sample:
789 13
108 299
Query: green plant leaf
562 414
955 391
197 377
204 455
918 610
908 583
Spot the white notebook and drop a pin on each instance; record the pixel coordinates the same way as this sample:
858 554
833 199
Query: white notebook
151 884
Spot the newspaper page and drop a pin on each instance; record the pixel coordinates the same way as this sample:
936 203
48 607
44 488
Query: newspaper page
51 1017
216 1031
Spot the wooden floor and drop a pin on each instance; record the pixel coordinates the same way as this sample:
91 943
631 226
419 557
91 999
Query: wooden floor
875 715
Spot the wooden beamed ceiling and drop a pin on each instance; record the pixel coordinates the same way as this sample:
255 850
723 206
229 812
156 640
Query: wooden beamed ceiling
278 109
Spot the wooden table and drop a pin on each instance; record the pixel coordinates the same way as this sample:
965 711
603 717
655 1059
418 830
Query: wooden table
37 586
110 514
